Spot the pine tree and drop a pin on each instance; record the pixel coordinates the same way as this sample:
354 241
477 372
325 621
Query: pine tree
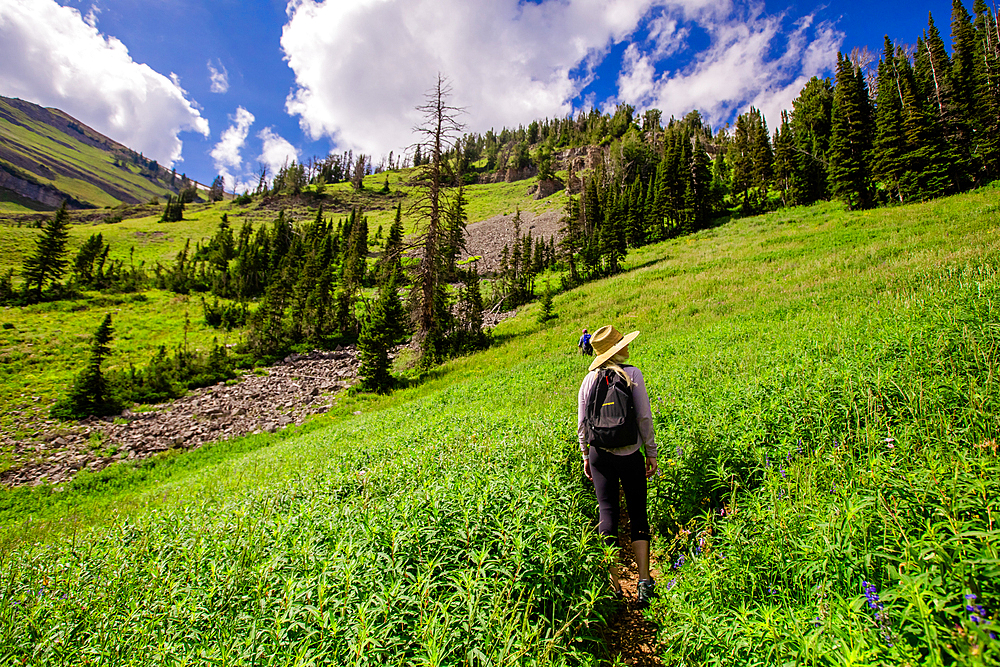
469 334
429 296
392 254
966 119
48 262
932 66
376 338
87 256
811 121
787 176
987 64
890 147
851 137
701 185
545 312
91 393
572 235
173 211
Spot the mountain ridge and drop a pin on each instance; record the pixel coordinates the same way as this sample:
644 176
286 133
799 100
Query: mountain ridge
47 157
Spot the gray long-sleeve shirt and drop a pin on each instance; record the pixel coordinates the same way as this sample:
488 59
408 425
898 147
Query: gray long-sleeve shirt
643 413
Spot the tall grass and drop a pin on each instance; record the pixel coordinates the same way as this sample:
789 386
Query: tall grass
825 407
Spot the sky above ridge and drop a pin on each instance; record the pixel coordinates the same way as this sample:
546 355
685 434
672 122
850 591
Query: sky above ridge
224 86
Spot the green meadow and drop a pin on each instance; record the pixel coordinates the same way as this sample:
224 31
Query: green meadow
825 400
43 346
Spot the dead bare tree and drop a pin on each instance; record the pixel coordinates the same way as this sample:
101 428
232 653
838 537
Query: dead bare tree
440 128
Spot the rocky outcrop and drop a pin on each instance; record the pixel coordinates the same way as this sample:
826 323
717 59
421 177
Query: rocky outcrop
285 394
509 175
546 188
487 238
39 193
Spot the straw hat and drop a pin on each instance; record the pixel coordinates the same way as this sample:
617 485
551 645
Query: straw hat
607 342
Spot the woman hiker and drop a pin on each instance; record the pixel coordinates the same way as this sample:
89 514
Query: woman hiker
621 465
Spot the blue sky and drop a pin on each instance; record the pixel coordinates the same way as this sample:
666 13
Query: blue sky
225 86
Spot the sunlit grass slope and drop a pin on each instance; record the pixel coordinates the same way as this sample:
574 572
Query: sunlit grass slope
69 164
42 346
825 402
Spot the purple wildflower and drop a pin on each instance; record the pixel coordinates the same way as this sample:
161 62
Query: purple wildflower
875 604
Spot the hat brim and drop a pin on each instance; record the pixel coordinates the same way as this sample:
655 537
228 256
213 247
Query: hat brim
615 349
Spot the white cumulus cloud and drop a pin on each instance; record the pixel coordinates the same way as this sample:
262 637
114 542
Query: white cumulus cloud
277 151
219 77
361 67
55 57
751 61
227 154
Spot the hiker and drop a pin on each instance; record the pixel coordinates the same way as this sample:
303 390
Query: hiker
584 344
621 465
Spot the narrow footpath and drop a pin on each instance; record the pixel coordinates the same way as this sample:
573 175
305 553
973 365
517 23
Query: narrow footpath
630 635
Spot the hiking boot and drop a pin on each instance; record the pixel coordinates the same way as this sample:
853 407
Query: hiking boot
646 590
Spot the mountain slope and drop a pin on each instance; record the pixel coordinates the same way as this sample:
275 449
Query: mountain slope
47 156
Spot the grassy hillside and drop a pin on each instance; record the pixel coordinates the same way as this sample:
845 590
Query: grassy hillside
43 346
826 403
47 148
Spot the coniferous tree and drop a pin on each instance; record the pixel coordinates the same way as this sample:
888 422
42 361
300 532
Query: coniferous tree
850 140
702 205
987 94
48 261
928 160
469 334
572 235
88 263
91 393
173 211
890 145
430 304
378 328
966 121
811 121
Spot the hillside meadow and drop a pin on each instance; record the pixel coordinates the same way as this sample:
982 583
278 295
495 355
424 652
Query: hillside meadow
825 400
44 345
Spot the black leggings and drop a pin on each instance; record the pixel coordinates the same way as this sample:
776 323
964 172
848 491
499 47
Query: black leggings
612 472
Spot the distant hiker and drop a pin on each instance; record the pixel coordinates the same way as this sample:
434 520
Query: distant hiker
613 420
584 344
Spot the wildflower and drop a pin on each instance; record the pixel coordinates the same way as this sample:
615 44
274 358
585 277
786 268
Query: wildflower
680 452
671 583
800 445
881 618
783 474
977 613
890 443
817 622
680 561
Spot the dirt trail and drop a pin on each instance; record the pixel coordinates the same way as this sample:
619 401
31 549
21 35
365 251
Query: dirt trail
629 634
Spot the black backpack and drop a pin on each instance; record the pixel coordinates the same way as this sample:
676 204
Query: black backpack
610 419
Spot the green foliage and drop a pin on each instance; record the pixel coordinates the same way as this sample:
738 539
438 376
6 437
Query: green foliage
545 312
92 392
173 211
48 261
473 519
851 137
